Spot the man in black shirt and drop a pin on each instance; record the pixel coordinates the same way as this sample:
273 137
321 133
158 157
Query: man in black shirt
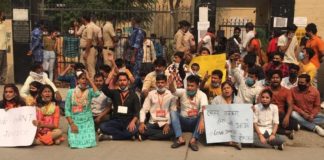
126 107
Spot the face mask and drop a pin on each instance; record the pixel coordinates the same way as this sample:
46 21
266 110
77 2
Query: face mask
71 31
301 56
277 63
191 93
10 98
302 87
161 90
33 93
176 65
215 85
249 82
118 34
122 69
123 88
194 73
293 75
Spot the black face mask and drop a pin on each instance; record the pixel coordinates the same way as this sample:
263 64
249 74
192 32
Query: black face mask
277 63
302 87
293 75
33 93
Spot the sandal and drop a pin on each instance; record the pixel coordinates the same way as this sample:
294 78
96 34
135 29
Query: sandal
178 144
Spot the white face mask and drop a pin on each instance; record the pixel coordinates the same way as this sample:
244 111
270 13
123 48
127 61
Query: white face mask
160 90
71 31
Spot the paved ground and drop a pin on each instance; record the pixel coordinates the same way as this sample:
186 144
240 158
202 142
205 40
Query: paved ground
306 145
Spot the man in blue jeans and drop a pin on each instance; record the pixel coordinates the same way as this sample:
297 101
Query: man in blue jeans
307 105
190 118
126 107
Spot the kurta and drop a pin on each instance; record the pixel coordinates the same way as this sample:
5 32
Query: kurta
86 136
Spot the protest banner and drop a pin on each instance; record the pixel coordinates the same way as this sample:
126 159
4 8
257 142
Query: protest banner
229 122
210 63
16 127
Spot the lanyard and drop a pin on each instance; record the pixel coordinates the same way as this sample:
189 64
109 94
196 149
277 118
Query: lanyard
192 101
160 101
123 98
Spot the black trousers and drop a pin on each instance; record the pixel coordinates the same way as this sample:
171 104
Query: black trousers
155 132
292 124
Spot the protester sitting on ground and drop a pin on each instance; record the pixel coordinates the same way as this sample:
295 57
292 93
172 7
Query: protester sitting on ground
281 97
204 52
291 81
81 131
48 118
277 64
306 105
37 74
266 121
149 82
11 97
175 68
249 88
33 93
125 112
228 97
157 104
306 66
213 88
194 70
190 118
68 75
100 106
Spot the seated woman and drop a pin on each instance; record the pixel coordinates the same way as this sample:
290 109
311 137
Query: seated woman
33 92
228 97
37 74
81 131
48 117
11 97
266 121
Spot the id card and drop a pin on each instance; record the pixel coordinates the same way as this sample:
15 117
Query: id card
77 109
193 112
160 113
122 109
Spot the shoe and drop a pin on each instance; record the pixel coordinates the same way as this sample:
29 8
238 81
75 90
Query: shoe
194 146
298 127
140 138
279 147
291 135
103 137
238 146
319 131
176 144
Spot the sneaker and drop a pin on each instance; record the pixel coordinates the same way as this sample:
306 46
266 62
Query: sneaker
281 147
103 137
319 131
291 135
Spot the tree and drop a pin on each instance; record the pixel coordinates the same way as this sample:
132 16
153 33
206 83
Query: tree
123 10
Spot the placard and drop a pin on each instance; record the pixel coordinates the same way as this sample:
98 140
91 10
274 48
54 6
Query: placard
16 127
229 123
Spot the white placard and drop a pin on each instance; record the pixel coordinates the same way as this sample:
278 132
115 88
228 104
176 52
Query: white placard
300 21
203 14
280 22
20 14
16 127
226 123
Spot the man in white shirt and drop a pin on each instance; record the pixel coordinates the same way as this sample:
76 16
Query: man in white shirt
249 27
158 103
208 40
100 106
288 44
292 80
190 118
249 87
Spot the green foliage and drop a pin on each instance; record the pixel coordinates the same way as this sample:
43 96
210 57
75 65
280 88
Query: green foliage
121 10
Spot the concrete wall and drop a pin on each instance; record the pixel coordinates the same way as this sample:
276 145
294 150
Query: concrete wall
10 62
313 10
